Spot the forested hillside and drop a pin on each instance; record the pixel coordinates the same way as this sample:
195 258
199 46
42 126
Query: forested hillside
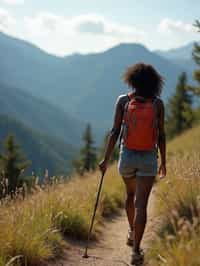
43 151
40 115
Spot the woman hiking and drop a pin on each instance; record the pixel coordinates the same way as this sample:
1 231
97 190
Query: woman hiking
139 119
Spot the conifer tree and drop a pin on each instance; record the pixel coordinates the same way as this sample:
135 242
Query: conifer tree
180 114
88 152
196 57
88 157
13 164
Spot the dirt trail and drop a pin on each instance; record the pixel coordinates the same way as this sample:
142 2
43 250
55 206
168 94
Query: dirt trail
111 250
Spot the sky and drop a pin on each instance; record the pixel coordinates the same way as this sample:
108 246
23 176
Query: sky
63 27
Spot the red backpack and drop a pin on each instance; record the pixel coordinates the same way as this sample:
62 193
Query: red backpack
140 123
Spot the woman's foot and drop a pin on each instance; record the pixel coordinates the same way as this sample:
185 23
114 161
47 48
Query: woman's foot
137 258
130 238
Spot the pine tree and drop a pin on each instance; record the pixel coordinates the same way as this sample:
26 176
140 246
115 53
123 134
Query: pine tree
88 157
13 164
196 56
88 152
180 114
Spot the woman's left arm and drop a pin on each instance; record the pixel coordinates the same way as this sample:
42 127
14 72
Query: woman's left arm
113 137
162 139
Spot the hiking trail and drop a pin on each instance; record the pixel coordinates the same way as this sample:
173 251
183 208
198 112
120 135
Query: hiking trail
111 249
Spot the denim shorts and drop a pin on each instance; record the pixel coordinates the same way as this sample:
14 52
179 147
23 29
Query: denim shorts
133 163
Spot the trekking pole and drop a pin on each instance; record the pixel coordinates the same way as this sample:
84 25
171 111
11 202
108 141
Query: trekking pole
85 255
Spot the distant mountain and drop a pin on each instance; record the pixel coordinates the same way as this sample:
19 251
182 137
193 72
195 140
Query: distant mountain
100 76
43 151
83 85
181 56
40 115
183 52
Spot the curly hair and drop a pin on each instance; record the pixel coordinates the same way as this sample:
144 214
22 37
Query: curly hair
144 79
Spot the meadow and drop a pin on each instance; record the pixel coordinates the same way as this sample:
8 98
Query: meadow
35 230
178 205
32 231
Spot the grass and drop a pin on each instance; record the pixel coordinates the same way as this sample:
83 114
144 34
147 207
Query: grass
32 231
178 203
34 228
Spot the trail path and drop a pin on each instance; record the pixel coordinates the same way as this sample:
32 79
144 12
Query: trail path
111 250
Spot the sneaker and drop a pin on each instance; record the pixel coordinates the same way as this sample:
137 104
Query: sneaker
137 258
130 238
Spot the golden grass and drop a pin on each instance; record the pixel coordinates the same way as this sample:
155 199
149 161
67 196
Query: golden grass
34 228
178 202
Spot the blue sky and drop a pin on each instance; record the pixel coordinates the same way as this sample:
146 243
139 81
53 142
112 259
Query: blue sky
64 27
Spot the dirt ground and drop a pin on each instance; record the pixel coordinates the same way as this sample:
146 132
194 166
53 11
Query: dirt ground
111 249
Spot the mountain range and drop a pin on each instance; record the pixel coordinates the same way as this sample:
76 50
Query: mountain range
85 86
56 96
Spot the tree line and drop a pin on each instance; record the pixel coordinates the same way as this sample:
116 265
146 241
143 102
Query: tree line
182 111
12 166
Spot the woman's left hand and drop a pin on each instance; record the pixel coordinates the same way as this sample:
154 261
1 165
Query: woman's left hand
162 171
103 165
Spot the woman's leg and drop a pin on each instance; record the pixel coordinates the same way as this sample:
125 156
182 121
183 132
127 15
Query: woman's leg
130 207
143 189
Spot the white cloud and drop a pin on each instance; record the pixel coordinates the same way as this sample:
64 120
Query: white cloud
7 21
13 2
175 33
95 24
168 25
90 24
84 33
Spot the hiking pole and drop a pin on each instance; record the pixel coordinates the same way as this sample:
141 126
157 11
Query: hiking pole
85 255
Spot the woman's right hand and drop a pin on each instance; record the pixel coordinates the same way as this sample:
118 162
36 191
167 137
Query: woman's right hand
103 165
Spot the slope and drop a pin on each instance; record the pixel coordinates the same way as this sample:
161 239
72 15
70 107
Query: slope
85 85
40 115
43 151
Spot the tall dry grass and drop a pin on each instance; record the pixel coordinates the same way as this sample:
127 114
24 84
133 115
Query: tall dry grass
178 203
34 228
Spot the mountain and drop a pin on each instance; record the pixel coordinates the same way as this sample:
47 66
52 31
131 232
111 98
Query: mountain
40 115
83 85
181 56
183 52
43 151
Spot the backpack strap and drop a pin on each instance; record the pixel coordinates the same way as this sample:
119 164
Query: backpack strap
129 97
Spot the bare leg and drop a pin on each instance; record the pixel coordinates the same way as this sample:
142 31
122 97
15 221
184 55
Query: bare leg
130 207
143 189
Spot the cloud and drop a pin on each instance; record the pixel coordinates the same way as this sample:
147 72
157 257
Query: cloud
13 2
168 25
92 27
7 21
83 24
84 33
95 24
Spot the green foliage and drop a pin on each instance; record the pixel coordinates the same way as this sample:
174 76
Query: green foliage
196 56
180 115
13 164
88 157
44 151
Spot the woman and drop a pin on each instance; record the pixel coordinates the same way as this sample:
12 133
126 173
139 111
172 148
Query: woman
139 116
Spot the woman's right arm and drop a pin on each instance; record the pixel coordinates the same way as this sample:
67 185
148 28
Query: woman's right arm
113 137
